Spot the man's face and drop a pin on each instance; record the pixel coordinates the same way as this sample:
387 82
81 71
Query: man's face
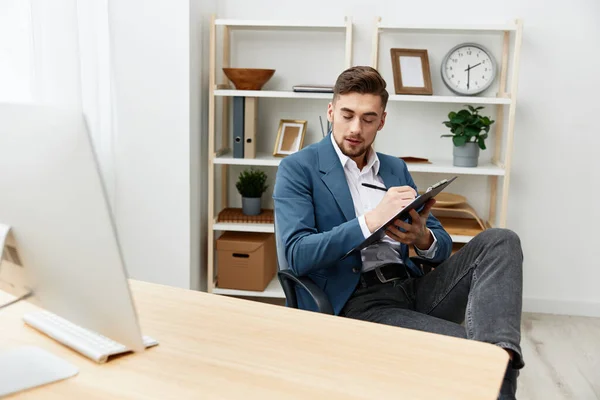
356 118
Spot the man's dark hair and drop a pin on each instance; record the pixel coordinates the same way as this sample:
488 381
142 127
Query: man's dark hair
361 79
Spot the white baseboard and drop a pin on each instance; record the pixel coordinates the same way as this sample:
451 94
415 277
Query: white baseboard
562 307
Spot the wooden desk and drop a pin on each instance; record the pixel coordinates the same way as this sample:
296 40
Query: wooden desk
217 347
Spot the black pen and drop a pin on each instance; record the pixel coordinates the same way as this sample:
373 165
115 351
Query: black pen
374 187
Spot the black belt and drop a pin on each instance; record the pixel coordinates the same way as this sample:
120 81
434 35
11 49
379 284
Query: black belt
385 273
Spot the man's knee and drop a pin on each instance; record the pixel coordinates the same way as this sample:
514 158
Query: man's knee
502 240
501 236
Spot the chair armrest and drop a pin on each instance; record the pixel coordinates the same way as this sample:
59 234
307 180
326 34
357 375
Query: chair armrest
289 281
425 264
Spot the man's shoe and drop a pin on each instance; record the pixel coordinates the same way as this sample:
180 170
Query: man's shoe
508 391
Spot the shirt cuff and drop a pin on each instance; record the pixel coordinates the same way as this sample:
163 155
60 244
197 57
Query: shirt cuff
429 253
363 226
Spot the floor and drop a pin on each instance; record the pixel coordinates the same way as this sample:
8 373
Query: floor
562 356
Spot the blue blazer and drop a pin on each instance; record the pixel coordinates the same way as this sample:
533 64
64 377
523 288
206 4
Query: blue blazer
317 225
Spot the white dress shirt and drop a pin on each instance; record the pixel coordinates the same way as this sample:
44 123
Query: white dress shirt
366 199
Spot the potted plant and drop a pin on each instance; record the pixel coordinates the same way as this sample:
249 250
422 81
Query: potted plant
251 185
468 132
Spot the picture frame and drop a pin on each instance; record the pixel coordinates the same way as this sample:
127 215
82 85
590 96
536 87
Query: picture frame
290 137
412 74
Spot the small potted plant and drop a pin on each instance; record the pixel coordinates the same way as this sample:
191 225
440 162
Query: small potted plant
468 132
251 185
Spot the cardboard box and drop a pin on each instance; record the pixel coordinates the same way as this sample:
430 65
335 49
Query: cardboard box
246 261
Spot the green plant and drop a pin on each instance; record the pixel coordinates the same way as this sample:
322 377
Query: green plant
251 183
468 126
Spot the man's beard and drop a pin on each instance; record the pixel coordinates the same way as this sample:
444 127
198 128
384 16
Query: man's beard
348 151
354 152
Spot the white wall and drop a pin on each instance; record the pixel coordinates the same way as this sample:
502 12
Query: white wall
556 136
15 51
200 12
158 202
154 162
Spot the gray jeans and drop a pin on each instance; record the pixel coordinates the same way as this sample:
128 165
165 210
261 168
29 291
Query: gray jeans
475 294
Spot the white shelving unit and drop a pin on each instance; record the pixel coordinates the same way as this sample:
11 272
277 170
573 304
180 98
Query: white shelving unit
223 157
499 168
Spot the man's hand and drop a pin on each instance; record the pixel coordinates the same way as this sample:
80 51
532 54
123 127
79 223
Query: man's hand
417 232
395 199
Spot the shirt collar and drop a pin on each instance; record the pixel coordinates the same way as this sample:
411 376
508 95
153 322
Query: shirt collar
372 159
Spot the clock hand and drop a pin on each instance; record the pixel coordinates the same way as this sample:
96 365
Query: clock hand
471 67
468 75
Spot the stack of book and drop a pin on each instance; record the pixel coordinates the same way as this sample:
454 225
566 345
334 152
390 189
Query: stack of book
313 88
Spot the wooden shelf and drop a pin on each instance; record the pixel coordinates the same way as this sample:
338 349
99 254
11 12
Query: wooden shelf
289 94
280 94
273 290
446 167
341 24
451 27
450 99
262 159
243 227
461 230
436 166
269 228
233 219
280 24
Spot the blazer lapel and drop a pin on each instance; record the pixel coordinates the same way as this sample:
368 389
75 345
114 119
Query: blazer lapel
385 172
332 174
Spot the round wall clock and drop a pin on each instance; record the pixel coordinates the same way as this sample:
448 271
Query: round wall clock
468 69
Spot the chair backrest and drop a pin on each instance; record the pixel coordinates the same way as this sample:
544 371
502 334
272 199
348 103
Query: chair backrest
279 249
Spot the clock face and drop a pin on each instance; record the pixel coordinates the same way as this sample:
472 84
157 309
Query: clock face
468 69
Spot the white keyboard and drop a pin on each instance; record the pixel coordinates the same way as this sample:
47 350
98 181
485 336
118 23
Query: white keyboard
89 343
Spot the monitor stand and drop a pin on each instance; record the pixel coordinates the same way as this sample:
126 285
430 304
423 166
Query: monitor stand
13 279
27 367
6 238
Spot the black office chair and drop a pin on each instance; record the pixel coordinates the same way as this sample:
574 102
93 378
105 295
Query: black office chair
289 280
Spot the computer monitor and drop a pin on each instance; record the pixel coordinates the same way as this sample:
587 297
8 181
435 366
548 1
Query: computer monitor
53 197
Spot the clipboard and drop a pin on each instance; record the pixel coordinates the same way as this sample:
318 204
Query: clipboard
417 204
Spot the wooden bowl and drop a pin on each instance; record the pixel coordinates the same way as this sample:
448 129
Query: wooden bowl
248 78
